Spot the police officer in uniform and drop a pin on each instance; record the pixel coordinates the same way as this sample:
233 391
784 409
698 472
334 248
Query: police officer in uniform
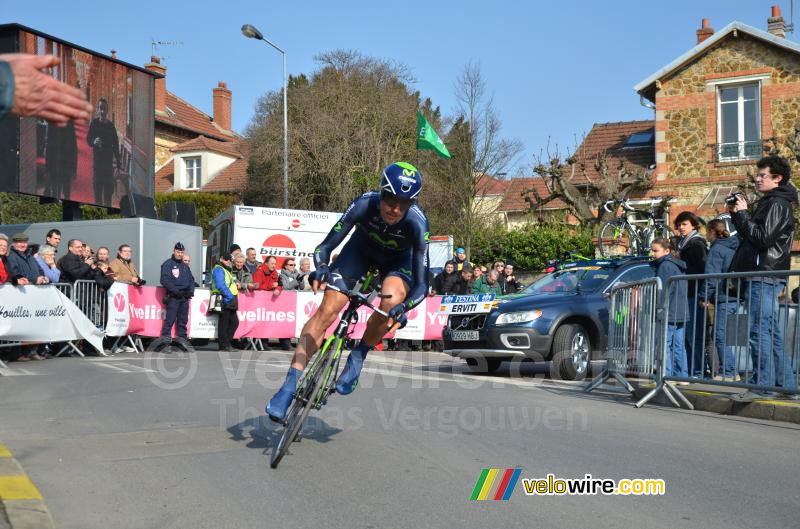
176 277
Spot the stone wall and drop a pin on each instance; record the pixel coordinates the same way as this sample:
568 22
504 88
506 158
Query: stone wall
733 55
686 117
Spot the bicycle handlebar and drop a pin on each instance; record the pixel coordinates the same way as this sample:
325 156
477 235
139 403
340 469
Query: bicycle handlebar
627 207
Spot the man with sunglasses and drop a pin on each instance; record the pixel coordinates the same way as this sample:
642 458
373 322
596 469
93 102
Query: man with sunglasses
390 233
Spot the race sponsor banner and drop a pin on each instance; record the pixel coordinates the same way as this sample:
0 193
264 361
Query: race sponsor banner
467 304
201 324
119 318
43 314
415 328
434 320
262 314
136 310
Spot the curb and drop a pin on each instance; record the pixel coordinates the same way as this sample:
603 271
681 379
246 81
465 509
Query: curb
721 403
21 503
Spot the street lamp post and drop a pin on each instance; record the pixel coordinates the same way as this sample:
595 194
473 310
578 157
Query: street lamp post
253 33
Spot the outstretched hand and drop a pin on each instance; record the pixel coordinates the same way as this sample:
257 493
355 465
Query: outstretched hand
38 95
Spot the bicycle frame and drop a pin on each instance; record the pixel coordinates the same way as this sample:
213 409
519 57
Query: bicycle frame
314 387
642 236
337 338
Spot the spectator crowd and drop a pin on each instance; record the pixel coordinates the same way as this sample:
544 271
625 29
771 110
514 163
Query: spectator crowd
460 276
25 263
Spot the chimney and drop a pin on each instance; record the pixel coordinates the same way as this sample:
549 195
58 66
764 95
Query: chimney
113 54
775 24
222 106
161 84
704 32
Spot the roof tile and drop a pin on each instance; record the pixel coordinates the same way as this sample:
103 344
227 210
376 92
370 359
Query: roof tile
515 201
202 143
610 138
165 177
185 116
232 178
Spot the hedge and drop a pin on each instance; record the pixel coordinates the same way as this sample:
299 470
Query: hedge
530 247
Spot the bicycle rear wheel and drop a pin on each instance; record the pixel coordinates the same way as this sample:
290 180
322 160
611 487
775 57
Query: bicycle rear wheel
303 402
616 240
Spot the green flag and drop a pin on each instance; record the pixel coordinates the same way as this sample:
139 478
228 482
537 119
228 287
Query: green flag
428 139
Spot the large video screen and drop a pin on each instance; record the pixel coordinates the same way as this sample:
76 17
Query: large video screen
98 162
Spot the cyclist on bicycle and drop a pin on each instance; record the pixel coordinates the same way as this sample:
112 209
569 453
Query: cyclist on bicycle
391 234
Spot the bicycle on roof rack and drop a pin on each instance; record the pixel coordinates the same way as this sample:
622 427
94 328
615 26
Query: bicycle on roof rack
618 237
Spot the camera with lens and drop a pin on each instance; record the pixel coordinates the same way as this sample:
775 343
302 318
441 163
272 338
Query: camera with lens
731 199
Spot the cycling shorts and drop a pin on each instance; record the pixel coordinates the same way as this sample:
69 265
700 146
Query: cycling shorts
359 255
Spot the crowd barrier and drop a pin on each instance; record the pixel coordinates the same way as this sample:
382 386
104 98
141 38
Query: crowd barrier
633 335
741 331
35 314
262 315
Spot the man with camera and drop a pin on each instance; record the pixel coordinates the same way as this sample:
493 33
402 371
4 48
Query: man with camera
74 266
766 242
177 279
123 268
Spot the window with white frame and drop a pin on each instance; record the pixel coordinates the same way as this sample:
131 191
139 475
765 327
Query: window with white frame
193 172
739 123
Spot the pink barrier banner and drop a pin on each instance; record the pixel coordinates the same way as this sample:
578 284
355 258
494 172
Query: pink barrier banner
262 314
265 315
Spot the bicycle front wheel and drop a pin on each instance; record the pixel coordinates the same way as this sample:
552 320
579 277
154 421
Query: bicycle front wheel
616 240
303 402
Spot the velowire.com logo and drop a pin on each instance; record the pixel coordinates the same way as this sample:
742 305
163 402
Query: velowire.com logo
495 484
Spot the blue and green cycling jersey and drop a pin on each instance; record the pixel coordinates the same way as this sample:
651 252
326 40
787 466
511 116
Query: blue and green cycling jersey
399 249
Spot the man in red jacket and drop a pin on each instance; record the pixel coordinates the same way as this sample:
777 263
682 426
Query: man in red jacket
266 276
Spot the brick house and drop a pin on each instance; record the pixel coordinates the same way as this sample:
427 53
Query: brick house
195 151
717 106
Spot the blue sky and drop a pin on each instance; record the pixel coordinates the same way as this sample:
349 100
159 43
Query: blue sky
555 68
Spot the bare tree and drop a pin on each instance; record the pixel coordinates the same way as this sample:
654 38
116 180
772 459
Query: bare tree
484 151
615 181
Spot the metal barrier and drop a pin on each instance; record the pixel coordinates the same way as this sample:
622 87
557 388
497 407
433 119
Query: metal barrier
632 333
65 288
740 331
91 300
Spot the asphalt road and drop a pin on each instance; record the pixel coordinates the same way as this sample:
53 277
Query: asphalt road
125 442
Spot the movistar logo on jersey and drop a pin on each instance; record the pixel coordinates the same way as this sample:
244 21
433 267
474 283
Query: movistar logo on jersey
388 243
406 271
427 236
337 227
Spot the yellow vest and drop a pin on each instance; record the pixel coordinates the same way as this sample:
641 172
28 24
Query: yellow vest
229 282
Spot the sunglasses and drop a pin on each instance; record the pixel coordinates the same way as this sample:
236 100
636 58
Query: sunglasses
394 201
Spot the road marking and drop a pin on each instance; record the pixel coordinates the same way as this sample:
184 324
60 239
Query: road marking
126 368
4 451
18 488
19 372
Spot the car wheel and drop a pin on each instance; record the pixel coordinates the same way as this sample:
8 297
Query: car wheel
484 365
572 352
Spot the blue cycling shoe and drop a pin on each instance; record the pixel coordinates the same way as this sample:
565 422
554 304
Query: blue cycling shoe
348 380
279 404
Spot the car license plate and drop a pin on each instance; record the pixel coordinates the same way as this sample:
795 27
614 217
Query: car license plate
464 336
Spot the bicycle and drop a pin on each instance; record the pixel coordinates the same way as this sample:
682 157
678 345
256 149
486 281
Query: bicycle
619 237
319 378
